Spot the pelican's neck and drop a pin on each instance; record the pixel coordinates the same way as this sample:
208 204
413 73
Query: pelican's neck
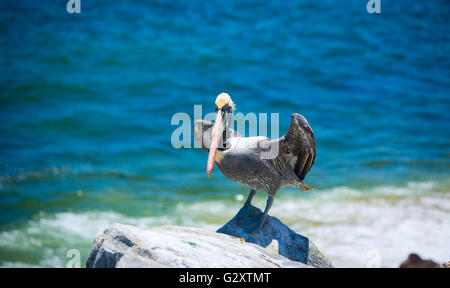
224 136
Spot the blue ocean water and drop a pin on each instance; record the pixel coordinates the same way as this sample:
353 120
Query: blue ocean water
86 102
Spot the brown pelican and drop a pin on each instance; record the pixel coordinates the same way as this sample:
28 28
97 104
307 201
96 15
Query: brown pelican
241 158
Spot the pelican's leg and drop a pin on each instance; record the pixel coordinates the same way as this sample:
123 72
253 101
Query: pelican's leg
259 222
248 202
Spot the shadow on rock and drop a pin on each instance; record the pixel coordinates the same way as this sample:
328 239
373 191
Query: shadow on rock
293 246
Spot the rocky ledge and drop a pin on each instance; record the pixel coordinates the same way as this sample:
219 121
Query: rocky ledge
121 246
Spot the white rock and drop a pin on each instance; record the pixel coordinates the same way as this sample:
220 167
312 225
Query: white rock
172 246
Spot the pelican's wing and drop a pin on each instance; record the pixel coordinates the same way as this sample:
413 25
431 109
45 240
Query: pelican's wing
299 141
203 131
297 148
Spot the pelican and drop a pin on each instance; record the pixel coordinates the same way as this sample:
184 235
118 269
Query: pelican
245 159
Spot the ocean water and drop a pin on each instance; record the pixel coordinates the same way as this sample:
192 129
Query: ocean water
86 102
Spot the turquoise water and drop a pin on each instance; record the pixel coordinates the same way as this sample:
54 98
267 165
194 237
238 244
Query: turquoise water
86 103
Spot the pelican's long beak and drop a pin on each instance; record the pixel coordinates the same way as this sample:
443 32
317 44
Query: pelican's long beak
216 134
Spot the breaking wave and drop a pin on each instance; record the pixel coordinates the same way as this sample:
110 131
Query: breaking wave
344 223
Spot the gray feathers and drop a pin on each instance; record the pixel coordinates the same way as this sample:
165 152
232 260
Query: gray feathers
263 164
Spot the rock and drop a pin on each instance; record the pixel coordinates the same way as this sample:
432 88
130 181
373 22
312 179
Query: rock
414 261
289 244
171 246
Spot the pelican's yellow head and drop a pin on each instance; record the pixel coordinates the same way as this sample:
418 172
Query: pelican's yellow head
224 109
223 101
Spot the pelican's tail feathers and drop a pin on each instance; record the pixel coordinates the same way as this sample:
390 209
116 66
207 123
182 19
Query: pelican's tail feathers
304 187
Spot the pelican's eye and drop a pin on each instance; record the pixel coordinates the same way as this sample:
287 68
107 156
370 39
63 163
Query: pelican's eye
226 108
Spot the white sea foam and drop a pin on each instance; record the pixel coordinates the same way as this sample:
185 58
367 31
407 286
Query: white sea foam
344 223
